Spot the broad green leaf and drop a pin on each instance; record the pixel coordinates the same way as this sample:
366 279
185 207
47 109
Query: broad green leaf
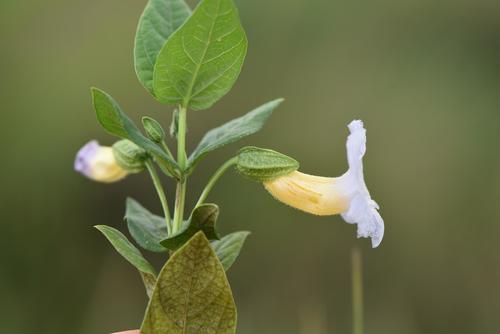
192 295
146 228
201 61
158 21
126 249
203 219
228 247
116 122
232 131
264 165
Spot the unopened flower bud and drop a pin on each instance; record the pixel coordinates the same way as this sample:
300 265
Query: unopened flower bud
153 129
98 163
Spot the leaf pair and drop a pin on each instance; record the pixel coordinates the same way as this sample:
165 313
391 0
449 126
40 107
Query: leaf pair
192 60
160 19
150 231
116 122
227 249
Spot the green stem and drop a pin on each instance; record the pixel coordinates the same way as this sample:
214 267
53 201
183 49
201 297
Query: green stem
167 150
357 290
213 180
182 161
181 138
161 193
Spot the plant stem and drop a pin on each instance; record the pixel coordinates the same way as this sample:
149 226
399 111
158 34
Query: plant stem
167 150
181 160
213 180
161 193
357 290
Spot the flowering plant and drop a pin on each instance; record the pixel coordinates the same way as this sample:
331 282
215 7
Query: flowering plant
191 59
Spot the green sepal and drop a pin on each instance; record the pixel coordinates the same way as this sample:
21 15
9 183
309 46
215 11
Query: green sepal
131 254
201 61
233 131
129 156
229 247
153 129
203 218
192 295
116 122
263 165
145 228
158 21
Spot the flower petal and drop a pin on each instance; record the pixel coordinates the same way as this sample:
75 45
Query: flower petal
362 209
98 163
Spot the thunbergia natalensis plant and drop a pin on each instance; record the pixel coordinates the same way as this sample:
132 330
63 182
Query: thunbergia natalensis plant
190 60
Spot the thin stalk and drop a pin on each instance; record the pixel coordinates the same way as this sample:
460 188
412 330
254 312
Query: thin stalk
161 194
181 160
357 290
167 150
213 180
181 138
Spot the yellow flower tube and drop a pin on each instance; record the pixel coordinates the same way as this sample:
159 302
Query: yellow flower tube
346 195
98 163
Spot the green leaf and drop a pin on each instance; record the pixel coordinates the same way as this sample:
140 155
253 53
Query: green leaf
229 247
146 228
201 61
158 21
232 131
264 165
203 219
149 283
116 122
126 249
192 295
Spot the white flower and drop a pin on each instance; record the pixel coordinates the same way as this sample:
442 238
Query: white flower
98 163
346 195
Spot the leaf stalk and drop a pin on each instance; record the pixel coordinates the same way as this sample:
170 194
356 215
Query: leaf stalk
161 194
213 180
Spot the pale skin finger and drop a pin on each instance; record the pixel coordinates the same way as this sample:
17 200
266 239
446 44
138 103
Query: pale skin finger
128 332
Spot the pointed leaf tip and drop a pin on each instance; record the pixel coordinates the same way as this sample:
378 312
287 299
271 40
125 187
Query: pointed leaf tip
192 293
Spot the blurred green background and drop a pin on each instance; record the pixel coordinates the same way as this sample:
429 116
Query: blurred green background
424 75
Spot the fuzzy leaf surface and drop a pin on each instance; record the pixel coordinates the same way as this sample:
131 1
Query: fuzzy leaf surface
147 229
192 295
203 219
201 61
263 165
